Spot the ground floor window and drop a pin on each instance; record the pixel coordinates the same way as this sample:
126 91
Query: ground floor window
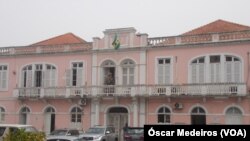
164 115
233 116
198 116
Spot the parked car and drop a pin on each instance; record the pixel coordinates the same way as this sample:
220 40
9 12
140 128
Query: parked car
100 133
64 138
133 134
65 132
5 128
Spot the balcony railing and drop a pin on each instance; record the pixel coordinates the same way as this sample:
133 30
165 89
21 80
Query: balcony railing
220 89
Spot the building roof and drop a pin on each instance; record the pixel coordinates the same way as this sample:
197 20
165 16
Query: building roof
68 38
218 26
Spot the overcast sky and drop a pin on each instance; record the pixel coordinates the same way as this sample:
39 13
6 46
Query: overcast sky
23 22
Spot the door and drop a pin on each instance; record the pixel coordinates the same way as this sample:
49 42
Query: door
49 123
118 117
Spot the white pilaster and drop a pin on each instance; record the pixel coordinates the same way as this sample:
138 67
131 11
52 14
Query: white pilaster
142 68
142 110
135 111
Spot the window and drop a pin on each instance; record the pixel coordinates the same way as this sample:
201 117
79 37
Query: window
24 112
232 69
76 115
38 75
164 70
2 114
198 116
3 77
198 70
233 116
216 69
164 115
75 74
128 70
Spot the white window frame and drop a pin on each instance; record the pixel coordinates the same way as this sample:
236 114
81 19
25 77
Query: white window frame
7 77
128 71
33 72
84 73
2 114
222 67
171 68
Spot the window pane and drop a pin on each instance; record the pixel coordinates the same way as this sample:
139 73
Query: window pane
167 61
214 59
160 61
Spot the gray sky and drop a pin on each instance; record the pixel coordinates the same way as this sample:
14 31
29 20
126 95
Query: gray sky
23 22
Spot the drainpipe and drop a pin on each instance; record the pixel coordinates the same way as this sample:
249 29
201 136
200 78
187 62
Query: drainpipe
248 69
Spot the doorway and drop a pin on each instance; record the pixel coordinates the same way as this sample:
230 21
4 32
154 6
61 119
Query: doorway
49 120
118 117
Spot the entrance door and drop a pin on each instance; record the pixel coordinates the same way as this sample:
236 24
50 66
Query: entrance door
49 120
118 117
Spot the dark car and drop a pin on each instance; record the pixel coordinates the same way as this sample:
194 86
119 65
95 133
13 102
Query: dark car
133 134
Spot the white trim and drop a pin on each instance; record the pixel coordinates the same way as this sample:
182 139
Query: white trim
231 106
47 106
116 106
164 105
33 66
94 69
84 65
7 77
197 105
171 69
24 105
222 62
142 68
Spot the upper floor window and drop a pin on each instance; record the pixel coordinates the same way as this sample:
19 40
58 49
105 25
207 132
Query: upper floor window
3 77
109 72
216 69
38 75
75 74
198 70
128 72
232 69
164 70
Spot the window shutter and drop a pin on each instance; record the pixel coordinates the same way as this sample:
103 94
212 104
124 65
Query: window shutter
237 69
53 78
69 77
124 76
29 78
167 74
131 76
193 73
215 72
201 73
46 78
160 74
79 81
228 69
4 79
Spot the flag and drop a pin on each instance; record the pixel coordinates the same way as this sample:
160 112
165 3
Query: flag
116 42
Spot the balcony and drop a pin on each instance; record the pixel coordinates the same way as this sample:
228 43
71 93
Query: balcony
220 89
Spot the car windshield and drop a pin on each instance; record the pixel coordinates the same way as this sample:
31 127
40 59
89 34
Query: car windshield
96 131
135 131
59 132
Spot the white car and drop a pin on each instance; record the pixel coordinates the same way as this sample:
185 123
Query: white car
64 138
5 128
100 133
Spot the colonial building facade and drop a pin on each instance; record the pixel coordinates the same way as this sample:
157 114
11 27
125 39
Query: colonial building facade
199 77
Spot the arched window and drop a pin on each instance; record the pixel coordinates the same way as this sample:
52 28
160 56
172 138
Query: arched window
24 112
233 116
49 123
164 115
212 68
198 116
2 114
109 72
198 70
38 75
128 72
76 115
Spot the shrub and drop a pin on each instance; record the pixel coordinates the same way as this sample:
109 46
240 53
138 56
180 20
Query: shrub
21 135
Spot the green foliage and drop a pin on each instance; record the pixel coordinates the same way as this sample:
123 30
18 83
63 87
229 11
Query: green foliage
21 135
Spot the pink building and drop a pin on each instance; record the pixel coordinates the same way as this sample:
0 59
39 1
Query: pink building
199 77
